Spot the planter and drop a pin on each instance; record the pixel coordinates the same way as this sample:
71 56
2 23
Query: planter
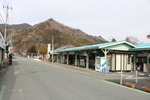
47 61
42 59
146 88
129 84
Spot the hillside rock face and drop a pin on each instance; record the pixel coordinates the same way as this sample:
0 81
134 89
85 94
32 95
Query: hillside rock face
43 32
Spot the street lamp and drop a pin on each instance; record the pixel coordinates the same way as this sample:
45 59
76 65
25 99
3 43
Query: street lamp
148 37
52 49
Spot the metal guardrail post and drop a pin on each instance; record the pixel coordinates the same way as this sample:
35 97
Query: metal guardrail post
136 76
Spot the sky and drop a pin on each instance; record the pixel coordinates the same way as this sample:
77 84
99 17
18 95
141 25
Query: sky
107 18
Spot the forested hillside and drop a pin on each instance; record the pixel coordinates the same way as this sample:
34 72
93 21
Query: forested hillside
43 32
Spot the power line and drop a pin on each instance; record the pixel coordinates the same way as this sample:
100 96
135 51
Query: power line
11 14
3 2
2 19
11 11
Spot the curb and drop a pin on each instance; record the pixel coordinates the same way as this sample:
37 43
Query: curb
125 86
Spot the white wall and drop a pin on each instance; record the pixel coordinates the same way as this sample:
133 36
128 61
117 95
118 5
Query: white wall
119 61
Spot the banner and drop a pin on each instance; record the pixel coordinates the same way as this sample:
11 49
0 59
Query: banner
103 63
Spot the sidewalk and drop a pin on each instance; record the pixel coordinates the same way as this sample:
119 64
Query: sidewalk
3 65
138 85
3 70
143 79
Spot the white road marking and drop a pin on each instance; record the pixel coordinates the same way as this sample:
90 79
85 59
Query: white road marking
37 59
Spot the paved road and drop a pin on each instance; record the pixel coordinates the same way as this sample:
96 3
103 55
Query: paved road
29 79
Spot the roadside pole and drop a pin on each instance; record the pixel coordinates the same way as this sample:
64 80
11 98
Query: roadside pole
52 49
121 76
136 76
135 67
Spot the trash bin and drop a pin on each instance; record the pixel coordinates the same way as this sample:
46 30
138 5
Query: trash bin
106 70
103 70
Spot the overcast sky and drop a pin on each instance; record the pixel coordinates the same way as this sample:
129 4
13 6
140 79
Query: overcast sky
107 18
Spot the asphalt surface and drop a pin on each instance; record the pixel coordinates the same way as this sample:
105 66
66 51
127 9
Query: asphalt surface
29 79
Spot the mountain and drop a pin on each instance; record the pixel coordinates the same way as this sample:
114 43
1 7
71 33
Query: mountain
15 26
43 33
12 29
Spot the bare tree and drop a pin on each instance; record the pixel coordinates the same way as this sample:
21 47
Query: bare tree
113 40
133 40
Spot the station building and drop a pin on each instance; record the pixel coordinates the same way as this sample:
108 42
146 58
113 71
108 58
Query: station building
119 55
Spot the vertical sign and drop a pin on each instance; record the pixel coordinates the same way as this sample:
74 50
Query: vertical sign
103 63
48 50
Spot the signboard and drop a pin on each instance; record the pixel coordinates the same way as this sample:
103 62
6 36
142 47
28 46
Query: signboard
103 63
2 41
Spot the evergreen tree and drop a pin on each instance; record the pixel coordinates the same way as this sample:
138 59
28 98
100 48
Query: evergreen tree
32 49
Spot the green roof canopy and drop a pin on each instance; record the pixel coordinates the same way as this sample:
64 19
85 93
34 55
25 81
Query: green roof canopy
118 45
141 47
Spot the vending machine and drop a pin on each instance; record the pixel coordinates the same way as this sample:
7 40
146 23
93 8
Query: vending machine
100 63
97 63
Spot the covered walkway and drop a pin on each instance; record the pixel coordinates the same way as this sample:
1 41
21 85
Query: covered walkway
119 55
142 57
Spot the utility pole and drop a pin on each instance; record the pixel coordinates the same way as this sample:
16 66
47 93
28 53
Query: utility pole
7 14
52 49
10 43
121 75
148 56
6 21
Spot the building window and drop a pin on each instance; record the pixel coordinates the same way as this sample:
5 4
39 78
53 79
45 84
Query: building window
129 60
143 60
